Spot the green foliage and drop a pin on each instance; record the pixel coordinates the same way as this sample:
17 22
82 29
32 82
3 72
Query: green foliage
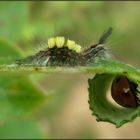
8 53
20 129
15 90
19 96
13 17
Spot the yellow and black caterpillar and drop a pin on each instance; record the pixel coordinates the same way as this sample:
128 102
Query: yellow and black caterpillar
62 52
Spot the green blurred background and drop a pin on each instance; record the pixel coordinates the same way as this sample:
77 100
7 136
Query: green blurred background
66 113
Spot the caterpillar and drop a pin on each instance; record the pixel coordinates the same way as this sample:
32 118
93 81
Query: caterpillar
62 52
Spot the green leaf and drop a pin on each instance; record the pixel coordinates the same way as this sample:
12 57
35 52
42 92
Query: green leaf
8 53
19 95
20 129
13 17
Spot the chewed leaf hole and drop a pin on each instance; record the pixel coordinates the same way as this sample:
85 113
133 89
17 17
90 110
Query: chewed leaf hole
105 109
